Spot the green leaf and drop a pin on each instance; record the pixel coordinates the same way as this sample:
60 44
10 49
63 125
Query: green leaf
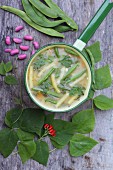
8 141
64 131
10 80
77 90
26 150
45 86
12 117
32 120
103 103
84 121
42 152
49 118
80 145
56 145
2 69
66 61
24 136
8 67
96 52
102 78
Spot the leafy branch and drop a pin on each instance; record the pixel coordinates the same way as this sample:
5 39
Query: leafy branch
25 129
6 68
102 78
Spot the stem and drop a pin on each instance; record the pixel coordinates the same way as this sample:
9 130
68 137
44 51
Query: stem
16 128
92 104
52 150
45 134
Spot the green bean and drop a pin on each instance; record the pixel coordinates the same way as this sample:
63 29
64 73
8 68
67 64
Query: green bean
51 101
39 13
70 71
56 52
45 77
36 18
54 94
44 9
23 16
46 22
31 13
61 14
37 89
51 93
63 28
93 64
76 76
67 50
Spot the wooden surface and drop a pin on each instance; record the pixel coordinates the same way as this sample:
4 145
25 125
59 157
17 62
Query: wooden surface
101 157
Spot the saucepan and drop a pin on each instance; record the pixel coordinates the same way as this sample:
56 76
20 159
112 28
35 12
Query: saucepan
77 48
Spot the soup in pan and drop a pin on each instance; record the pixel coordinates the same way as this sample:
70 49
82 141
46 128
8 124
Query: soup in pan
58 77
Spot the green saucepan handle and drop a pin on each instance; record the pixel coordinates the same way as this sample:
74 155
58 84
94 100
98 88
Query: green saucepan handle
93 25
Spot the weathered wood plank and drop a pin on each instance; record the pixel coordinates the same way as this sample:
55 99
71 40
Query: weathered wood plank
101 157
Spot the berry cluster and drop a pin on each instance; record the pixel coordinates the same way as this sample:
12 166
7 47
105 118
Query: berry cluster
50 130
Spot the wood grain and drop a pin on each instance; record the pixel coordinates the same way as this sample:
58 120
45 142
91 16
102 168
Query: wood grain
101 157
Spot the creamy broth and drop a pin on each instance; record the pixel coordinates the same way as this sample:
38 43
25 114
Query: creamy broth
58 77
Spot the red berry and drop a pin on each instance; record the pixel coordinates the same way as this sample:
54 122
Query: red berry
50 127
46 126
54 135
51 132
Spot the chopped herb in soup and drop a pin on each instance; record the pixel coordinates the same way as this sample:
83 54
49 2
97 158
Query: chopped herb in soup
58 77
